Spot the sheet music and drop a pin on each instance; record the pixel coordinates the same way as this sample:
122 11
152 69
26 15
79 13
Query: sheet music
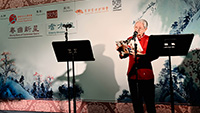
125 48
139 47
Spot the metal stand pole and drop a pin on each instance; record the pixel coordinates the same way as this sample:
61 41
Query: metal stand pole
171 85
68 79
136 73
74 87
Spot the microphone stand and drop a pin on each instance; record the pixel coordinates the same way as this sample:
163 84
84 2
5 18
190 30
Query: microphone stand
135 49
136 68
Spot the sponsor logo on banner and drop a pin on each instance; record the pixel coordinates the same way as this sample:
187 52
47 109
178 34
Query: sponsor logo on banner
19 19
79 11
24 18
94 10
52 14
117 5
25 31
56 28
13 19
22 30
67 9
3 17
39 12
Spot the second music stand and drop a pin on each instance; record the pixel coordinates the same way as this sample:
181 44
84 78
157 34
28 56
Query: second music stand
169 45
73 51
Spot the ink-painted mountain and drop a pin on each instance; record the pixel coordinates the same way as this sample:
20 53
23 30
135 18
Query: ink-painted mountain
13 90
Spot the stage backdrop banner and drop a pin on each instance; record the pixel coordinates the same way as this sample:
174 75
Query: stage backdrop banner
28 65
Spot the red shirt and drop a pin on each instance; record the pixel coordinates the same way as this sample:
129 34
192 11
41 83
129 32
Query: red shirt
144 70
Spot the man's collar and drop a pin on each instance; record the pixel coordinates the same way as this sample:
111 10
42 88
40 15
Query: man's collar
141 37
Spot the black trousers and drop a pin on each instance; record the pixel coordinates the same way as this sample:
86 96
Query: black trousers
145 93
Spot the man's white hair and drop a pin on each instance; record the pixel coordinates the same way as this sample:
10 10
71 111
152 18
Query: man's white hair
145 23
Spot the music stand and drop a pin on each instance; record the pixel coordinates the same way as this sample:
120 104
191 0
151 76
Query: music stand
169 45
73 51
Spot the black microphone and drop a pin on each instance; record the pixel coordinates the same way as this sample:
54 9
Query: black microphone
134 34
133 38
67 25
